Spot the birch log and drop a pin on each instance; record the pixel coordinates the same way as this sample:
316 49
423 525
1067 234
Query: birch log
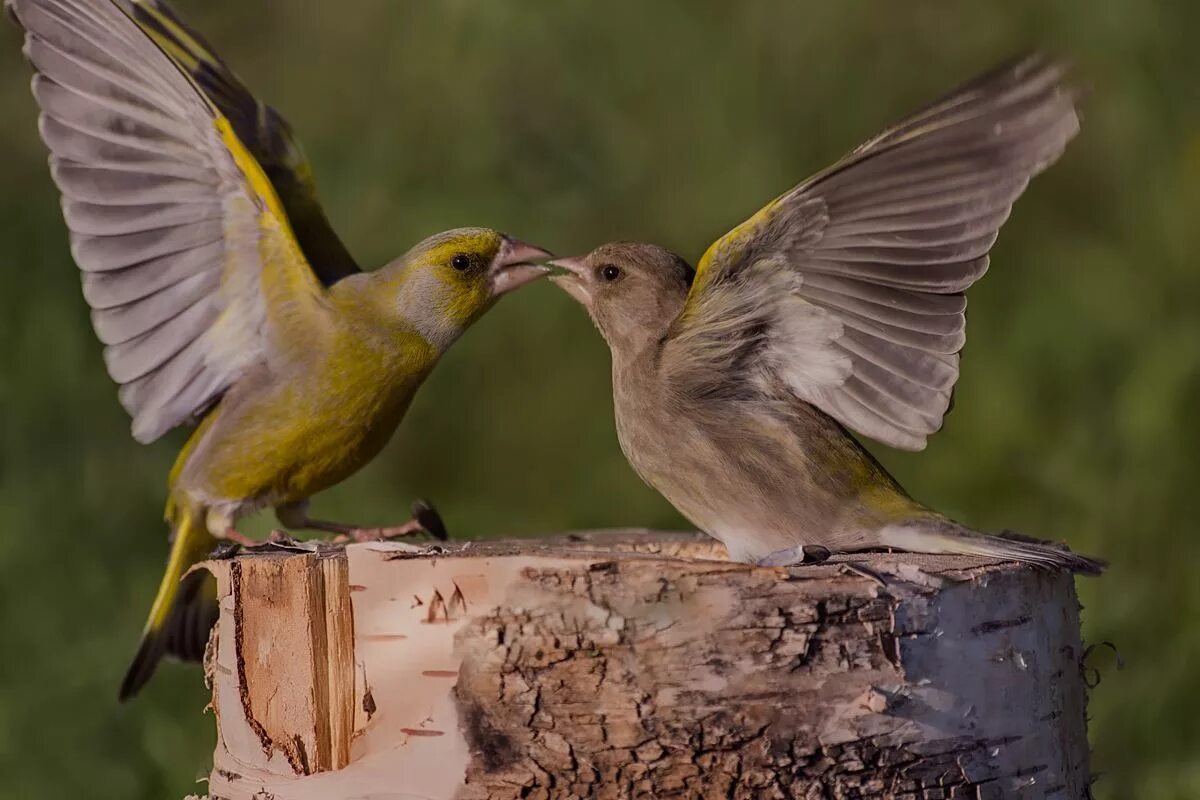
641 665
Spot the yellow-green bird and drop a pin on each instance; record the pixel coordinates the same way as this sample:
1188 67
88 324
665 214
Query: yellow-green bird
221 294
839 305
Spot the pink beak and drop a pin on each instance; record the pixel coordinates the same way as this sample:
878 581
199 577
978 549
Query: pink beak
572 278
514 266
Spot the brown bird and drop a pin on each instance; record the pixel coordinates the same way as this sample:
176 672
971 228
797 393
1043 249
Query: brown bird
839 305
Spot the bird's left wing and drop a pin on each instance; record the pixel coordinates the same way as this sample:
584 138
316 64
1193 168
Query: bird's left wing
189 262
263 130
847 291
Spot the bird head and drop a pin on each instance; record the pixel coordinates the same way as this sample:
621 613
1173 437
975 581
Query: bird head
633 292
449 280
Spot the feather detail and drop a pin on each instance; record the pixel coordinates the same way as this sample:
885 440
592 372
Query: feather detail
880 248
172 221
266 135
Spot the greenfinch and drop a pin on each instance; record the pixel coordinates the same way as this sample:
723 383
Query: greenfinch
838 305
222 296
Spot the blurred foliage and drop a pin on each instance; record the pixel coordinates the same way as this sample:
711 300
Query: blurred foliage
572 123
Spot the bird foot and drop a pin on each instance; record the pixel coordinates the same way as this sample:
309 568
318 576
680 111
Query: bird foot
794 556
237 537
425 520
425 515
360 535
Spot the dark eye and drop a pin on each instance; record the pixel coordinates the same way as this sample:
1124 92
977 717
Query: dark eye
610 273
460 262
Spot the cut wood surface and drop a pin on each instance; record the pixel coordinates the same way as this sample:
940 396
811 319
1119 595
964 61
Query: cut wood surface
641 665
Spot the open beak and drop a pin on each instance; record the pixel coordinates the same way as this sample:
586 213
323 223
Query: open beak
515 265
571 275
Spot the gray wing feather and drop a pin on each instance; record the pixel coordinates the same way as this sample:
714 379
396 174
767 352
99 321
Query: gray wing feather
74 145
90 219
120 286
104 253
135 358
883 244
123 323
155 202
934 371
186 384
892 316
93 184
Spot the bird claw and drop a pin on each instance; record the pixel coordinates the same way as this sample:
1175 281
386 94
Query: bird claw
425 519
225 550
429 519
795 556
282 541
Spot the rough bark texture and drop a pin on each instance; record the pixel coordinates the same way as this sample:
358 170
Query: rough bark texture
642 666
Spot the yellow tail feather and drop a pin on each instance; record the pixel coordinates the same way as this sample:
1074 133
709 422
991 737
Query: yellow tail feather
185 608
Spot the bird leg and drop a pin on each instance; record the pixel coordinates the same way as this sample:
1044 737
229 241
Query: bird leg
794 556
237 537
359 534
425 520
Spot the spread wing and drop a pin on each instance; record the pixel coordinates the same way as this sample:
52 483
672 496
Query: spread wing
847 291
188 259
263 131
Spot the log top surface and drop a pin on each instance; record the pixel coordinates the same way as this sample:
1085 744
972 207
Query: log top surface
661 546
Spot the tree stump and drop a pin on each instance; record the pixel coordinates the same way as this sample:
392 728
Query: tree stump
641 665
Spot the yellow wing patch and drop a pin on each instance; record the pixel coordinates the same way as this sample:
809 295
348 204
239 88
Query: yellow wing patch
724 250
285 282
182 47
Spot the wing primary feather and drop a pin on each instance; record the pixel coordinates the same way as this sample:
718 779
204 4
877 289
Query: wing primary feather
129 360
913 230
933 370
114 288
73 144
936 324
104 253
93 219
935 278
120 187
911 302
166 206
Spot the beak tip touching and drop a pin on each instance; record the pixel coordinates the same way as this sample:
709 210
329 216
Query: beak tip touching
517 264
573 265
570 275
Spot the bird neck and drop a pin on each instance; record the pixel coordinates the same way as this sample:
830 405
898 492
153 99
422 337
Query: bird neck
371 322
636 335
635 370
402 302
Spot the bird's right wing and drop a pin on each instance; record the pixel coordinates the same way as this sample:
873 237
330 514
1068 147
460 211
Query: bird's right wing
262 129
847 292
189 262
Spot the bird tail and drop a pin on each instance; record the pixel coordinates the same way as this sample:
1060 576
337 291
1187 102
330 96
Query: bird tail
185 608
940 535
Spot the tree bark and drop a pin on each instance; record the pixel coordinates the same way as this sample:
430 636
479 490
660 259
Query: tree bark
640 665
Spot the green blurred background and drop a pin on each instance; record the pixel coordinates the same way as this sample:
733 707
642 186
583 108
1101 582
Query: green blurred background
572 123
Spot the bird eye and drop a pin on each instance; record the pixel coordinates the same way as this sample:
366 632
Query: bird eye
460 262
610 273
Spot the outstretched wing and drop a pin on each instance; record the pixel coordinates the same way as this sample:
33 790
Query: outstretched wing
847 291
189 263
264 132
